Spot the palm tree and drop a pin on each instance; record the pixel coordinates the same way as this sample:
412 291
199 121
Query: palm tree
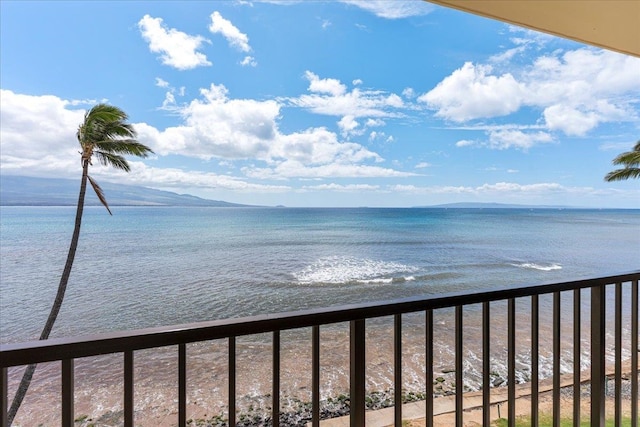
631 162
105 134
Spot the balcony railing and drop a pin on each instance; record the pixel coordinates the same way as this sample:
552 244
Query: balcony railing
67 350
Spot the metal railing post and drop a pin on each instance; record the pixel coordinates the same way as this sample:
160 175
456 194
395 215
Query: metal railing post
576 357
232 381
486 363
67 393
315 397
397 369
511 362
128 389
428 366
275 372
3 397
556 359
182 385
458 363
597 355
535 358
357 373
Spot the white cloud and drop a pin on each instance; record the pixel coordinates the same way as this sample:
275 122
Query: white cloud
349 188
249 61
216 126
423 165
177 49
388 9
172 178
395 9
38 135
375 123
330 97
575 91
465 143
521 191
213 126
293 169
471 92
161 83
235 38
330 86
510 138
408 93
570 120
348 125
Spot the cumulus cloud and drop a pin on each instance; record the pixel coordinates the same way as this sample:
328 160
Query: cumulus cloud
330 97
396 9
465 143
217 126
513 138
472 92
173 178
212 126
293 169
38 134
161 83
249 61
224 27
176 49
349 126
575 92
330 86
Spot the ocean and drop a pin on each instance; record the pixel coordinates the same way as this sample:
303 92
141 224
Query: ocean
154 266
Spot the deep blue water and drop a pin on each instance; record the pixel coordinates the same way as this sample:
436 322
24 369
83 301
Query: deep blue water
151 266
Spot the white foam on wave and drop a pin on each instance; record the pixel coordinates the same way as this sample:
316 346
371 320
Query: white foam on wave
542 267
340 269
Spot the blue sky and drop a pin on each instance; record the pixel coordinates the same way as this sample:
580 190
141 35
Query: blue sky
342 103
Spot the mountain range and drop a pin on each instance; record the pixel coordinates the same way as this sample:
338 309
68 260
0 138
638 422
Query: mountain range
28 191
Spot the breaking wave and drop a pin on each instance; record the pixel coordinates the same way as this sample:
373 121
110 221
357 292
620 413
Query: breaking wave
339 270
542 267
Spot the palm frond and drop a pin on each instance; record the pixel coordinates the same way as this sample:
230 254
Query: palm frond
622 174
631 158
99 193
124 146
115 160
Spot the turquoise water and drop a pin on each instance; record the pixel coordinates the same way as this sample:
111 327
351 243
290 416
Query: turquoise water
151 266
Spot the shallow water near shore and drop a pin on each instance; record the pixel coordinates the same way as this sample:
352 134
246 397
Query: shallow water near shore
148 267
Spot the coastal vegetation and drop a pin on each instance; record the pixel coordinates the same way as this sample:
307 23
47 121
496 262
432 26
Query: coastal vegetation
630 161
105 135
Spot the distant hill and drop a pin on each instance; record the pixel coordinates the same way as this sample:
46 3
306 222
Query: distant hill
27 191
465 205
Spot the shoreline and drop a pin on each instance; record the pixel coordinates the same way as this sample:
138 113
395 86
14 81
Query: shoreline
380 413
444 406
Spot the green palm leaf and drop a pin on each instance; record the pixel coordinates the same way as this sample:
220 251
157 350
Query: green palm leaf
631 162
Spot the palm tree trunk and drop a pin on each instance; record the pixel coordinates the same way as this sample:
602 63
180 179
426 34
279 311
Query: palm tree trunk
57 303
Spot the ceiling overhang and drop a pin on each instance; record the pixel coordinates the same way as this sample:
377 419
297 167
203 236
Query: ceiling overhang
609 24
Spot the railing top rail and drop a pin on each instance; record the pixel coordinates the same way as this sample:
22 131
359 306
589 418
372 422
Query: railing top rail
116 342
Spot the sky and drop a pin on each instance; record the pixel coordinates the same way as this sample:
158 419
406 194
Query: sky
320 103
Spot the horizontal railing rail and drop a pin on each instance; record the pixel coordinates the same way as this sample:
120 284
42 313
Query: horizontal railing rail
127 342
